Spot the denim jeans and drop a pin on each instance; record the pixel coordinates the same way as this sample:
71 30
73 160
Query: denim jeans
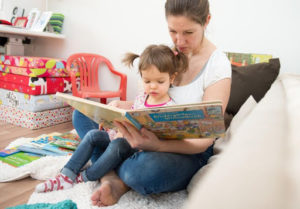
82 125
112 153
151 172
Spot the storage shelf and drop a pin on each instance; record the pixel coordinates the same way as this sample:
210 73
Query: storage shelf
10 31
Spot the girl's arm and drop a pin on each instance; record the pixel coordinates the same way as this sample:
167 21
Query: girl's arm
121 104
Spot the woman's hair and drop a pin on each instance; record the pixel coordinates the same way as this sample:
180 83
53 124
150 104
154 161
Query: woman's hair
196 10
162 57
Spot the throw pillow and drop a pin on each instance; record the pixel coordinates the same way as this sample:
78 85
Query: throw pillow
255 80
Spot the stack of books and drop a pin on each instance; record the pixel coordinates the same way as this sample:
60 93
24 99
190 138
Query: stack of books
55 144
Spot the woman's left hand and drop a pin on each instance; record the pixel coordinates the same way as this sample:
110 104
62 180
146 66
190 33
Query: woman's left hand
140 139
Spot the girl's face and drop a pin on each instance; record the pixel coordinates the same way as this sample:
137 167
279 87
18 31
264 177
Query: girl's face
187 35
156 84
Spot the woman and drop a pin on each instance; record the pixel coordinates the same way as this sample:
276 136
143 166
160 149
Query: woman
165 166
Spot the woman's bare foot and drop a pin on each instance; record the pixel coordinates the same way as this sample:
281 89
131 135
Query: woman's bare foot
111 190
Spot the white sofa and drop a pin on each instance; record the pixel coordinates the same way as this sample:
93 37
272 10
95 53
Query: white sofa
259 166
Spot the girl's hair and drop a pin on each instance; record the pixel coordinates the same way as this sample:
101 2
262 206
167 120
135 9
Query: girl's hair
162 57
196 10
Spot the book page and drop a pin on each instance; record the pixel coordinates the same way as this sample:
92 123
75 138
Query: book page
178 122
100 113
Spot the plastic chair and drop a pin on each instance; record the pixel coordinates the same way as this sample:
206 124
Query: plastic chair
88 66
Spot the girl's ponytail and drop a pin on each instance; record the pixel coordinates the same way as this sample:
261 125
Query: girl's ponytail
181 61
129 59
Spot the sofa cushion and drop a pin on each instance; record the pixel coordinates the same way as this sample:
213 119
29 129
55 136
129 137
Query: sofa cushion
254 79
260 166
222 142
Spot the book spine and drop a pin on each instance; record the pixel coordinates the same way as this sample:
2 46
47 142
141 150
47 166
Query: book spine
133 121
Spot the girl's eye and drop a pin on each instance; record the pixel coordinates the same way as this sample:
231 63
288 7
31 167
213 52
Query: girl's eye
172 31
146 81
161 82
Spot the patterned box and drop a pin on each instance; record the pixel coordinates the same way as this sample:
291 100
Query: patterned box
29 102
34 85
35 120
33 66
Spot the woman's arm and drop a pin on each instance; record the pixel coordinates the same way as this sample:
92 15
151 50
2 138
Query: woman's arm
185 146
218 91
146 140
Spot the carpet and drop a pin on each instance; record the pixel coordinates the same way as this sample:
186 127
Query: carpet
81 193
49 167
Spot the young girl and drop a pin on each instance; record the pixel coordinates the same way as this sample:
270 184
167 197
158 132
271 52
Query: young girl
158 67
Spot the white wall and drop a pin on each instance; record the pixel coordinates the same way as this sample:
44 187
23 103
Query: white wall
8 6
259 26
113 27
110 28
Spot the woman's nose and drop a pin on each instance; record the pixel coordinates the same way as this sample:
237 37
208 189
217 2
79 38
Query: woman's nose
179 39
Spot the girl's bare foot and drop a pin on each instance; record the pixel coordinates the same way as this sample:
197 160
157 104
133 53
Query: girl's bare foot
111 190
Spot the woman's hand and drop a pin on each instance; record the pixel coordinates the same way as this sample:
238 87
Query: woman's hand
148 141
143 139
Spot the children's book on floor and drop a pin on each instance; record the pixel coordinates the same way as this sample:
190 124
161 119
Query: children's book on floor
42 146
55 144
67 140
7 152
197 120
20 158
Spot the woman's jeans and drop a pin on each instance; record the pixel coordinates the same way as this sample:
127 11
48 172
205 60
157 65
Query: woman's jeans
151 172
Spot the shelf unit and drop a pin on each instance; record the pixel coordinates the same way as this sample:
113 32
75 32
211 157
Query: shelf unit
17 35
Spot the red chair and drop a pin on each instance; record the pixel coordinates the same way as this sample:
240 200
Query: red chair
88 66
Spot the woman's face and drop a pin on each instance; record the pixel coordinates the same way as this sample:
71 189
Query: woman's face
187 35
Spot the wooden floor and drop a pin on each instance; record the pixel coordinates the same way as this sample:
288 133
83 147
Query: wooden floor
17 192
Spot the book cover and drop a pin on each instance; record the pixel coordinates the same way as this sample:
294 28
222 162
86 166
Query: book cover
68 136
198 120
20 159
66 140
42 146
45 150
7 152
243 59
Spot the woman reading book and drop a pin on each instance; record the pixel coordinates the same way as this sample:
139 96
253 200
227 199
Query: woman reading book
168 165
158 67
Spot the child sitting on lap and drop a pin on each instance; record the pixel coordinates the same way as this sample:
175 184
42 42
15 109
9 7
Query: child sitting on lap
158 67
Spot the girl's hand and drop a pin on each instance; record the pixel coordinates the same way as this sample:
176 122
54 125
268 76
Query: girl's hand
121 104
143 139
114 103
119 135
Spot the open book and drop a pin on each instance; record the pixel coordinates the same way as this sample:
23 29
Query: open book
198 120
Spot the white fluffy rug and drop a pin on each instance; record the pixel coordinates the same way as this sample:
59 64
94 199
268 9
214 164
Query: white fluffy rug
81 194
48 167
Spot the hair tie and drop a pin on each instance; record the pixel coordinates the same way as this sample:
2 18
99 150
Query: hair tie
175 53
